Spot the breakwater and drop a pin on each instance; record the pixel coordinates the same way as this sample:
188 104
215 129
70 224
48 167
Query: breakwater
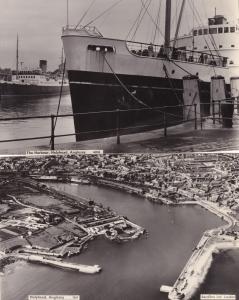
198 265
212 241
61 264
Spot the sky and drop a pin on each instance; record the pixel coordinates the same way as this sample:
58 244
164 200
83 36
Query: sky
39 24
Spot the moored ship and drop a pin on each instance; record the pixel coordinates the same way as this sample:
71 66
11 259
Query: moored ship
32 83
107 74
35 82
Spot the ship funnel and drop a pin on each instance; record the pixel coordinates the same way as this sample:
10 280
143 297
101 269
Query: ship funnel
43 65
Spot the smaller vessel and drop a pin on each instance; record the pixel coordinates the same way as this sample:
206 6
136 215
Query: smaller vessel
35 82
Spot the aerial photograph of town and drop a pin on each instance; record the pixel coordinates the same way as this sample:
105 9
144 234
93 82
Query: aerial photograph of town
85 223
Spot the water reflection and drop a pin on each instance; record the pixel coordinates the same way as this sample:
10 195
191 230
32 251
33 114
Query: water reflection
28 107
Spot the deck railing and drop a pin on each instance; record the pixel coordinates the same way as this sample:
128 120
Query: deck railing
159 51
165 120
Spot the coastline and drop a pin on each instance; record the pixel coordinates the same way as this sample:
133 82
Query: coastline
203 262
188 282
56 259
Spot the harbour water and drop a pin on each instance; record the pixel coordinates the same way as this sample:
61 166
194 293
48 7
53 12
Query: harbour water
30 107
134 270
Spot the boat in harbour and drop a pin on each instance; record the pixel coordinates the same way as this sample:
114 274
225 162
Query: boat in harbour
133 84
32 83
35 82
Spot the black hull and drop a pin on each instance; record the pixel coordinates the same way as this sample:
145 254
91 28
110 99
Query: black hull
17 90
95 92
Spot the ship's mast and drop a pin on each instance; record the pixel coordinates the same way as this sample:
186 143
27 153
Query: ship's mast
238 10
67 14
179 23
167 25
17 60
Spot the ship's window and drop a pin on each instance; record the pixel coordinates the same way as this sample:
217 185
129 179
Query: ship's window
205 31
195 32
212 30
226 29
205 47
101 48
220 46
232 29
200 32
195 48
232 46
220 30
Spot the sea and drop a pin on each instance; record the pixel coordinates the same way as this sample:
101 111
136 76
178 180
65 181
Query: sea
30 107
134 270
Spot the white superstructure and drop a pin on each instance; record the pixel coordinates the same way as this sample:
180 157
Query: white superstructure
36 77
218 37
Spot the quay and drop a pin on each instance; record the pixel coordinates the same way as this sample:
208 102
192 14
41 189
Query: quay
60 264
198 265
180 138
212 241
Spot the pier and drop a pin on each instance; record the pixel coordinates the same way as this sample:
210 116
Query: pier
198 265
60 264
212 241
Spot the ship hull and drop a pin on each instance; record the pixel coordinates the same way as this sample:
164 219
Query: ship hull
109 75
9 89
94 92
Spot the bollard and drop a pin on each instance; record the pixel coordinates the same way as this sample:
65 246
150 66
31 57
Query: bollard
52 132
195 114
213 111
165 123
118 126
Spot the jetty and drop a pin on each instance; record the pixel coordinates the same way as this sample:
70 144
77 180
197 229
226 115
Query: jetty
61 264
212 242
195 271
